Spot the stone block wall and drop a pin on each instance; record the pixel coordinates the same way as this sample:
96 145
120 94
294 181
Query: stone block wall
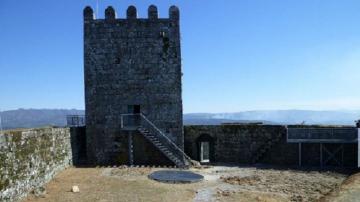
141 150
233 143
31 157
78 145
127 62
239 144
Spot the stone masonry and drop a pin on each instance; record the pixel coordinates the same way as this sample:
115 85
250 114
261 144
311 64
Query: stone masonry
30 158
132 62
241 144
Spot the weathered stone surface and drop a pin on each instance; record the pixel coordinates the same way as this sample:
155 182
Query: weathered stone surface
145 153
30 158
132 61
78 145
39 191
239 144
229 143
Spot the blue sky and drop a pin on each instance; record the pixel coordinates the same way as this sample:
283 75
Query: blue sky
237 54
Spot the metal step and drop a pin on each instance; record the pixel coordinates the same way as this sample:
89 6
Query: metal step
164 147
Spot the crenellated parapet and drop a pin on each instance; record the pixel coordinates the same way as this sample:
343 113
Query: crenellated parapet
132 64
88 13
110 13
174 13
131 13
153 12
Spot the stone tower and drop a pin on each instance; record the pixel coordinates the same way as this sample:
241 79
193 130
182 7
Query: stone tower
132 66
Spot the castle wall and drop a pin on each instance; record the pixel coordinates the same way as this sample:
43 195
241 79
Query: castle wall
130 62
31 157
78 145
239 144
142 147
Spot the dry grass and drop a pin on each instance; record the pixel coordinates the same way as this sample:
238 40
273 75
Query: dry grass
348 191
220 184
249 196
96 186
236 180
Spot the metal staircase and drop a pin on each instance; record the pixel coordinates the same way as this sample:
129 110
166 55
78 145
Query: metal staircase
153 134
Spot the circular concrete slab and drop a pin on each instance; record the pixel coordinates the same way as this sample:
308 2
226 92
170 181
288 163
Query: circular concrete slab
175 176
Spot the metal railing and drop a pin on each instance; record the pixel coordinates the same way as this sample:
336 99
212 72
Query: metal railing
134 121
130 121
161 134
336 135
357 123
75 120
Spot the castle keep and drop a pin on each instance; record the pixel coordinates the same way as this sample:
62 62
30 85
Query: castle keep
132 85
133 75
134 105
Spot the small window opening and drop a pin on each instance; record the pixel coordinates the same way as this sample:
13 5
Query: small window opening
117 60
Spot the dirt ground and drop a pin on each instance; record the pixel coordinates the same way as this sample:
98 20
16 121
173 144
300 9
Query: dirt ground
220 184
348 191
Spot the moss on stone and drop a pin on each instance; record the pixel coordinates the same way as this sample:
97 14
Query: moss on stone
29 156
4 183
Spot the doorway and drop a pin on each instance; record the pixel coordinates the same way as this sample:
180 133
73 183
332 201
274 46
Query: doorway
134 109
205 148
134 115
204 152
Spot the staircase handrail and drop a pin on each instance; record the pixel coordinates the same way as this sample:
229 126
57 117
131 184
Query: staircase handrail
122 118
167 138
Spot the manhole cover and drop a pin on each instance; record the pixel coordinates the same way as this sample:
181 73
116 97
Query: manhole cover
175 176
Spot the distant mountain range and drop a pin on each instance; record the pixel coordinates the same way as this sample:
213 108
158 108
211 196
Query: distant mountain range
345 117
31 118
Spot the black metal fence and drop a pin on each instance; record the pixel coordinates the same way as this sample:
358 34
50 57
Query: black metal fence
322 135
75 120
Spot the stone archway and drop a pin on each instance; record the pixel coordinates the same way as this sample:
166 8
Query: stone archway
205 147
